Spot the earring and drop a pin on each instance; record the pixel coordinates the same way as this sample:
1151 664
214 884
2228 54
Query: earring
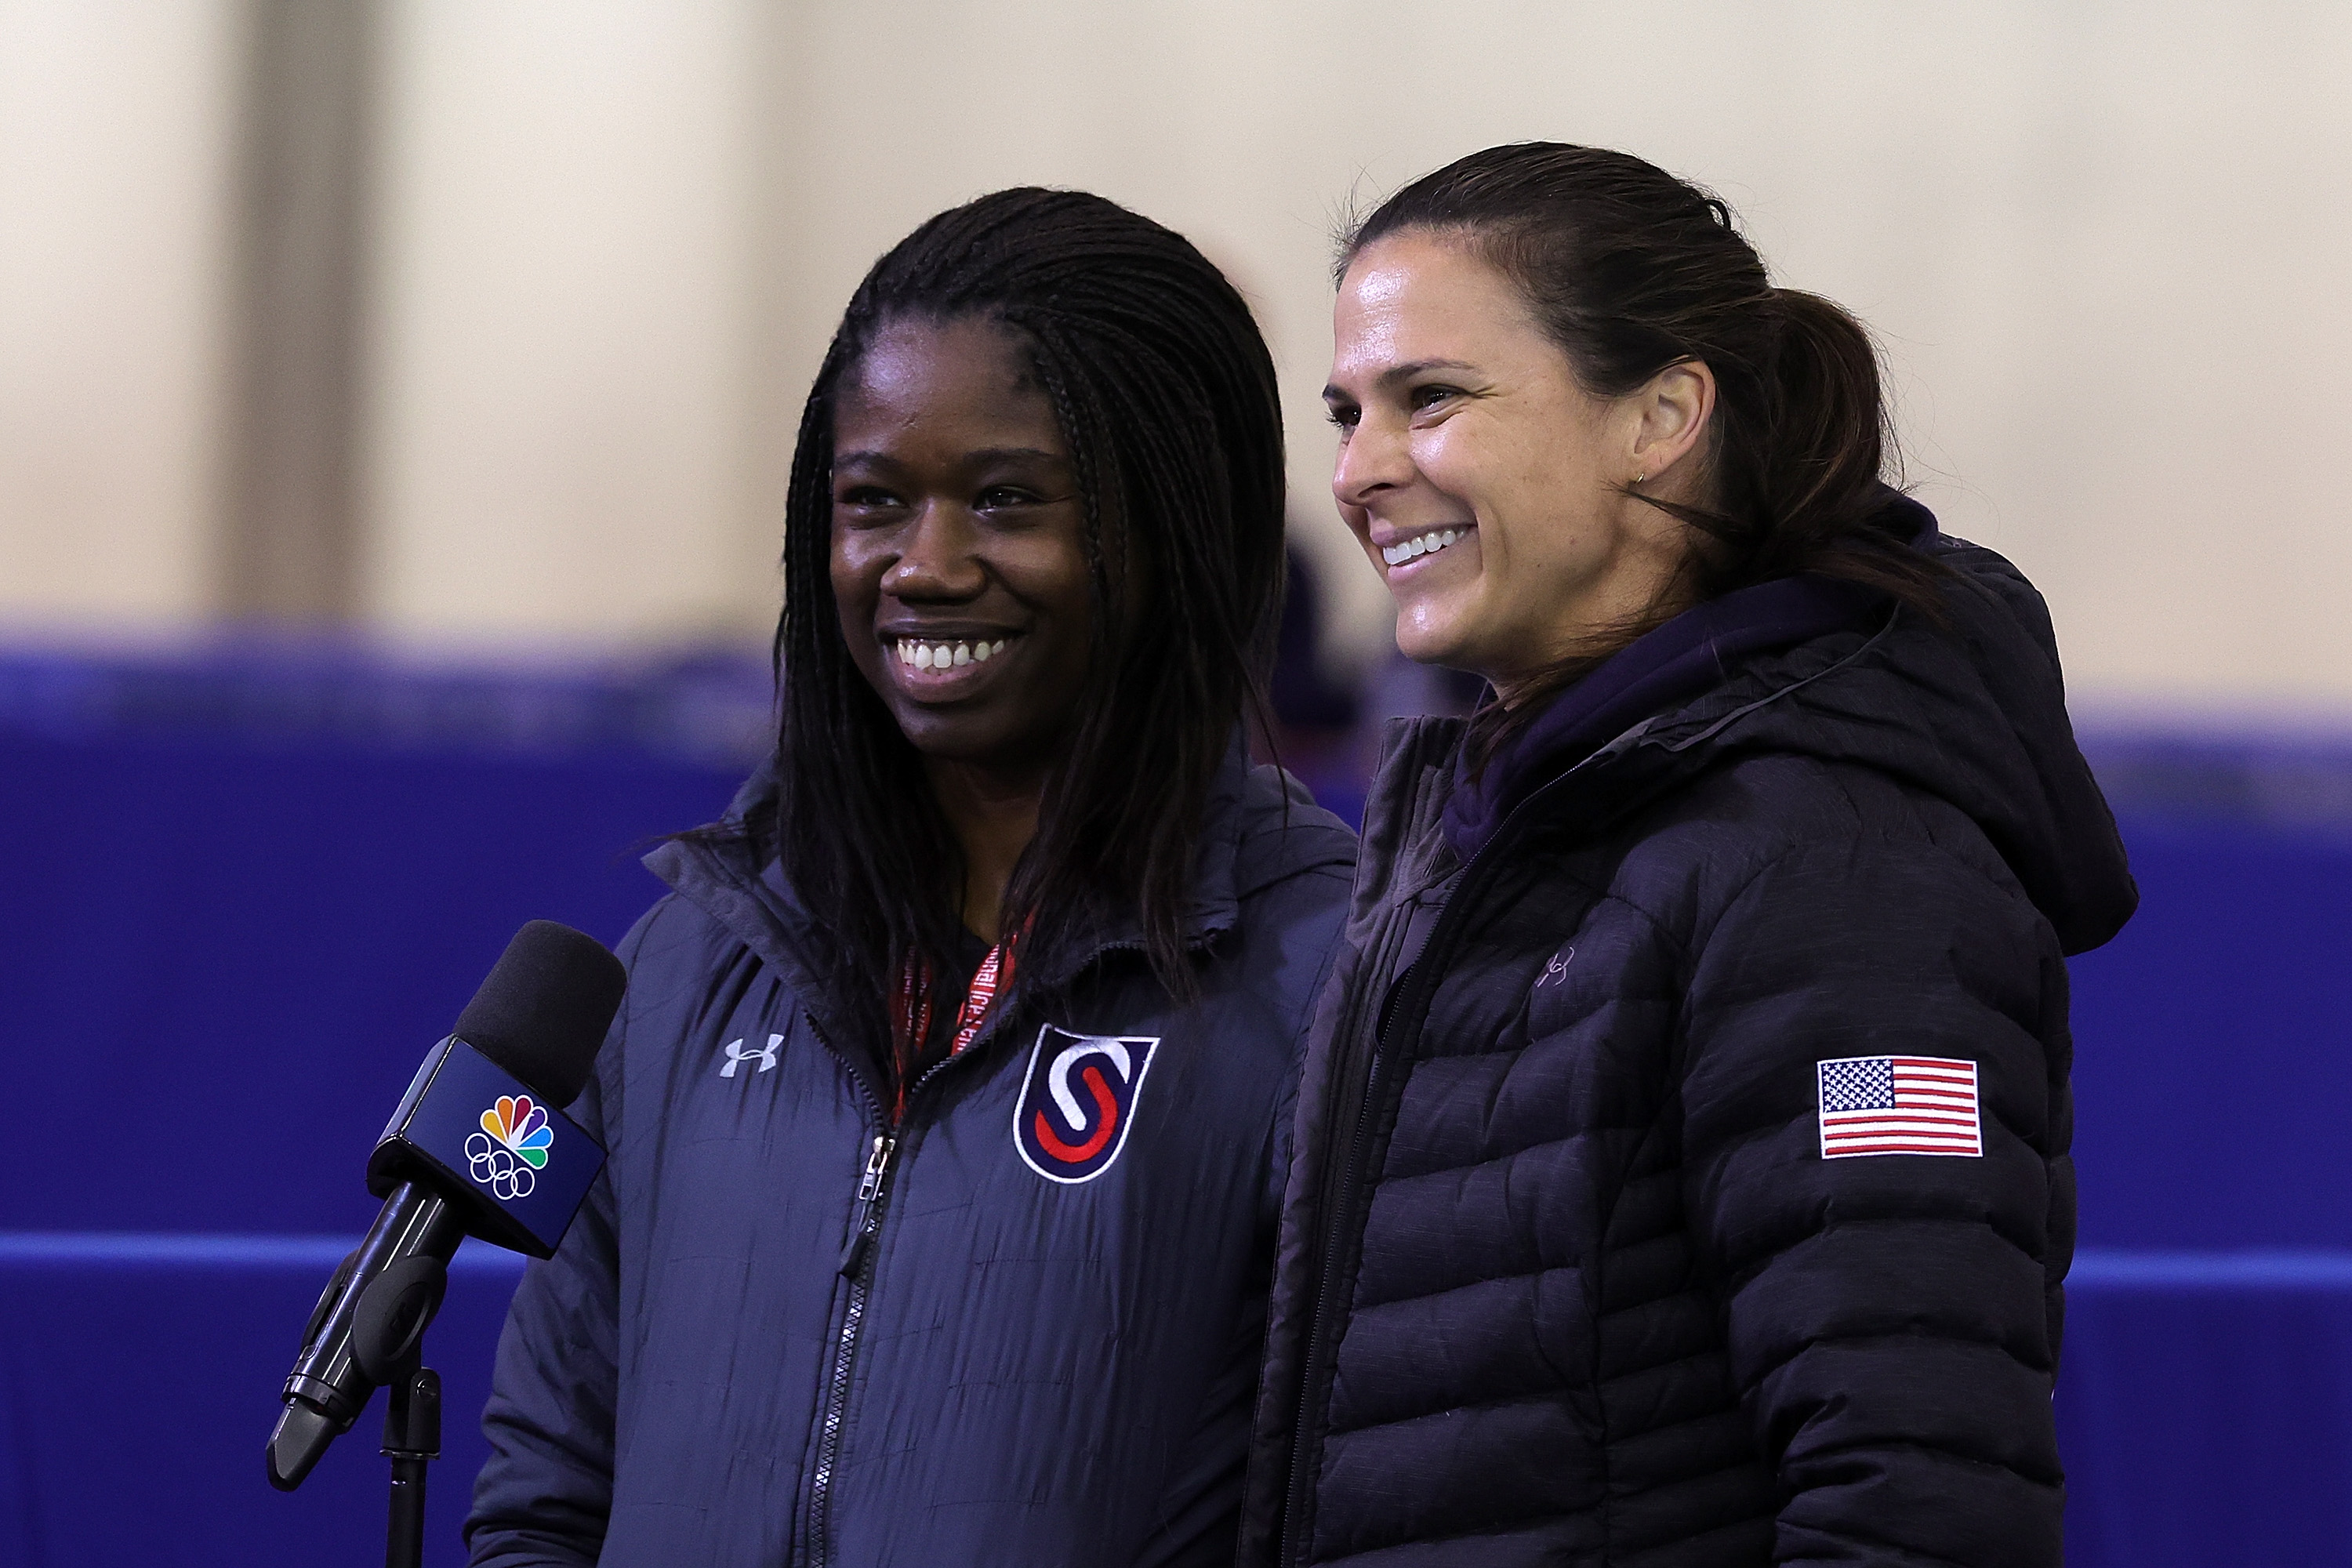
1638 478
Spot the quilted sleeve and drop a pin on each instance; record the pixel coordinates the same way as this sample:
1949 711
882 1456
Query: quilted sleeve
546 1492
1892 1317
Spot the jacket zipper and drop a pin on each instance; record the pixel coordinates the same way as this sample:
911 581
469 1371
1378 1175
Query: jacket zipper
1417 986
1339 1183
858 1259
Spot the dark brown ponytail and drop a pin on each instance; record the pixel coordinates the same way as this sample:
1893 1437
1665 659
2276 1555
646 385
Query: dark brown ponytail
1632 270
1813 466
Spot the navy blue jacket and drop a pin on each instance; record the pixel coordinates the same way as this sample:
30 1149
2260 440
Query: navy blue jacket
1606 1241
1031 1337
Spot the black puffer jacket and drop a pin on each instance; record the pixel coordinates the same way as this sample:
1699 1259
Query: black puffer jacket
1565 1276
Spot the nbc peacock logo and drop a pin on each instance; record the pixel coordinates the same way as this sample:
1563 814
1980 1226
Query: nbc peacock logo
511 1146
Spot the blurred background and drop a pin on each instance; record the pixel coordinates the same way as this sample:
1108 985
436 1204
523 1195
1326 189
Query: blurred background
395 400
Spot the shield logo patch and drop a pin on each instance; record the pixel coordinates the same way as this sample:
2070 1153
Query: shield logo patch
1077 1101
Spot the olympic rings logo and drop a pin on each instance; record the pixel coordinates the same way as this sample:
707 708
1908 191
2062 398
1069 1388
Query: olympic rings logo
494 1166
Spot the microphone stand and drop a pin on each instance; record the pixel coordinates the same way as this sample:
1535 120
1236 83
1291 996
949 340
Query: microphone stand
412 1437
386 1344
387 1341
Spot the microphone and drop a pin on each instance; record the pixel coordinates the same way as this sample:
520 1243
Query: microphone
479 1147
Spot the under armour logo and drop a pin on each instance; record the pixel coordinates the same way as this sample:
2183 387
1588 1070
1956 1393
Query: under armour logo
737 1055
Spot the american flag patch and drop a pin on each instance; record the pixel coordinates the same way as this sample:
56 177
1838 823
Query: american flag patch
1899 1105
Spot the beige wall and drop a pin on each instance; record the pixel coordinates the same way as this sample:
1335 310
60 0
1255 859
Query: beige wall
562 340
114 189
2105 245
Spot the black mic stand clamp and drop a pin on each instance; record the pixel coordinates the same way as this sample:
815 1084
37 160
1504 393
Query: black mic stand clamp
388 1343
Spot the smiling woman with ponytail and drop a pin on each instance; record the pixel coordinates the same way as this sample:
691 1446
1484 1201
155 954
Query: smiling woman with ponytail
1681 1171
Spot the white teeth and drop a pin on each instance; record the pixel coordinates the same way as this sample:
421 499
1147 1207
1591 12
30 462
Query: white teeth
946 655
1434 540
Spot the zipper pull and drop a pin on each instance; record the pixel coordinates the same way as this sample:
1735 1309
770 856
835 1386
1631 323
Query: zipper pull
869 1189
876 1163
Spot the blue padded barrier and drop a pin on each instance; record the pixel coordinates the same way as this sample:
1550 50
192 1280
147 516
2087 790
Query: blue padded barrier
244 893
243 897
246 889
138 1382
2213 1043
2205 1407
2205 1410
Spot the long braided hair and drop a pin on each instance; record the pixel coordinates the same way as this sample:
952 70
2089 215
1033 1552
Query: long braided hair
1165 396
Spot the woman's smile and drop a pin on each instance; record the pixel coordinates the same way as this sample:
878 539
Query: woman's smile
1411 551
946 665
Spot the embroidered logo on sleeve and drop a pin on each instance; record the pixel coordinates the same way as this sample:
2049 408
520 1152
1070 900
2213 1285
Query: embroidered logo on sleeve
1899 1105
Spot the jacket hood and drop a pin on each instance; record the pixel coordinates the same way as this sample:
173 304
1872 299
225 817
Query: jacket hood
1973 712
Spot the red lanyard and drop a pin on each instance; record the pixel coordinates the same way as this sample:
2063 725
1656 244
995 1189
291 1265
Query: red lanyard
910 1018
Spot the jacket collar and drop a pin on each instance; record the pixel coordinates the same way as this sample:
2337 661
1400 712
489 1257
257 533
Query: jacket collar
1688 657
753 900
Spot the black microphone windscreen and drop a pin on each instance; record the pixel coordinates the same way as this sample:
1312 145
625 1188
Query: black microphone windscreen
542 1012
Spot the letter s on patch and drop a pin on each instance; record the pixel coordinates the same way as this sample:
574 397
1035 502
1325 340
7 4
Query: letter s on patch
1077 1101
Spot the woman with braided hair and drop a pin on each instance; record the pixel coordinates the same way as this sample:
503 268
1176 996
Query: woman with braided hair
947 1107
1681 1171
